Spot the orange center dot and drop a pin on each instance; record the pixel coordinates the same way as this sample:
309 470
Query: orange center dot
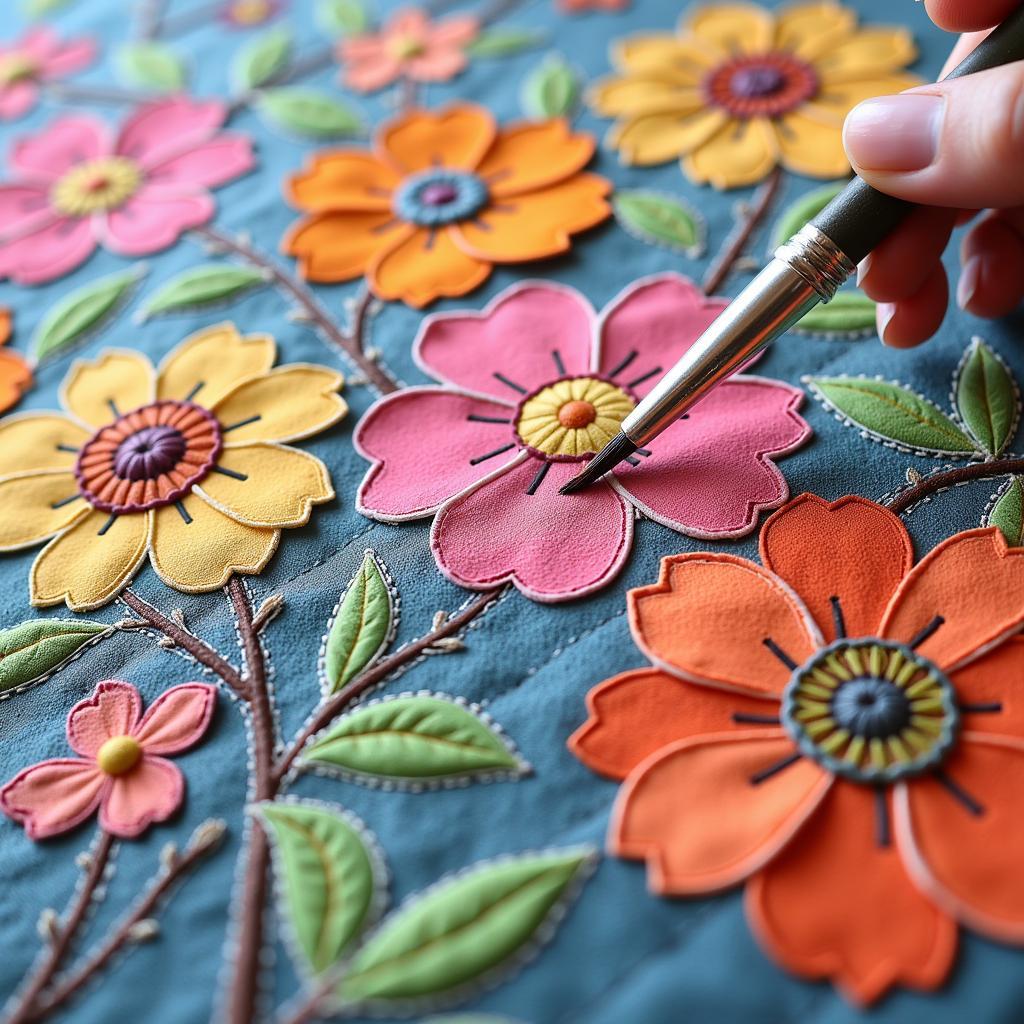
577 414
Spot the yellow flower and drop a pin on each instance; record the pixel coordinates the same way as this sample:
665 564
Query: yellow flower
186 463
739 90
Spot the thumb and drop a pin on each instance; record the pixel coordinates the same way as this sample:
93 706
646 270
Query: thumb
958 143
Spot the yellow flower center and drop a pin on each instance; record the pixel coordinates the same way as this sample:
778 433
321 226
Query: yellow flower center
250 12
118 755
573 418
407 47
96 185
16 67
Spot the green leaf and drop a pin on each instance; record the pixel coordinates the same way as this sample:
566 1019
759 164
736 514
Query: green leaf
660 219
1008 512
986 398
890 412
504 42
263 58
152 66
551 89
849 314
326 877
362 626
309 113
84 310
463 928
414 737
806 208
35 648
40 8
342 17
202 286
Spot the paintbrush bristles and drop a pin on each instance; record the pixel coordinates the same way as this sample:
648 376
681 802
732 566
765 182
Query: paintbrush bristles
617 449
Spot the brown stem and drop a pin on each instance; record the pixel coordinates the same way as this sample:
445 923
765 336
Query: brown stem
740 238
906 500
73 92
349 344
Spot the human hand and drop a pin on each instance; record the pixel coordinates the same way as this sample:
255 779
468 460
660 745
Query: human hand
958 148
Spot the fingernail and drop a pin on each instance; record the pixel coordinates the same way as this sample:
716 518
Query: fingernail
970 279
894 133
863 268
884 312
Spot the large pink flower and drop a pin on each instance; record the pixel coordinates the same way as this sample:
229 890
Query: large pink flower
38 56
533 386
76 187
121 771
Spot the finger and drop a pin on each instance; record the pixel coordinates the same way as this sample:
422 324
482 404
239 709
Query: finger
992 259
901 265
957 143
958 16
964 45
912 320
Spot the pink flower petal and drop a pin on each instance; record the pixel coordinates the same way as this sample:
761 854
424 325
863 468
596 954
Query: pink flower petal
650 325
423 445
409 21
63 144
516 337
363 47
72 56
553 547
177 718
437 64
457 31
371 74
165 128
47 252
154 218
225 157
23 207
711 475
53 796
112 710
17 99
152 791
38 43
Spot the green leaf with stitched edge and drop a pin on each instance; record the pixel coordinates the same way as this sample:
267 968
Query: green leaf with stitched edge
504 42
326 878
342 17
806 208
415 737
986 398
309 113
152 66
263 58
31 649
362 624
1008 512
659 219
551 89
849 313
462 928
891 412
84 310
203 286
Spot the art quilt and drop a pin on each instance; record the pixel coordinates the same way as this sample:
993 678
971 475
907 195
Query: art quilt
317 700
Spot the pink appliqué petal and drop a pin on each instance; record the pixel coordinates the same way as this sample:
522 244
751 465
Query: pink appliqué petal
53 796
369 74
225 157
437 64
17 99
61 145
177 718
553 547
47 252
23 207
38 43
113 709
456 31
153 219
166 128
150 792
72 56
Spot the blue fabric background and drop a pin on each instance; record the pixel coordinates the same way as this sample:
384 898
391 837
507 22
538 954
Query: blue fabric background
621 955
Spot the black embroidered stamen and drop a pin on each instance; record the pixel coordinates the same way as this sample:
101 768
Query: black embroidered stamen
646 376
779 653
838 621
240 423
559 365
632 461
113 407
67 448
883 830
508 383
107 525
961 794
65 501
183 512
490 455
229 472
981 709
473 417
774 769
619 367
643 451
539 478
742 718
926 632
195 391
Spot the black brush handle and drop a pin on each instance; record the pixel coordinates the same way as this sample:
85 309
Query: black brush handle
861 217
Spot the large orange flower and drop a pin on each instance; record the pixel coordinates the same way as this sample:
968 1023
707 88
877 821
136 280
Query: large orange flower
444 196
15 372
840 729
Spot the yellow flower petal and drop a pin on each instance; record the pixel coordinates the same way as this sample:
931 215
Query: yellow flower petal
32 507
39 440
280 486
618 97
117 382
808 29
733 28
655 138
209 363
289 403
811 147
201 554
684 61
869 54
836 99
91 562
742 153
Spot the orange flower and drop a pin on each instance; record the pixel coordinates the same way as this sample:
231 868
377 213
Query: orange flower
15 372
443 198
840 729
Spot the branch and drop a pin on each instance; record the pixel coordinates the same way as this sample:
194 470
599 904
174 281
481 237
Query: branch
75 93
151 15
930 485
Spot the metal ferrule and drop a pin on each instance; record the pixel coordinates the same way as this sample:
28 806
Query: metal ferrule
818 260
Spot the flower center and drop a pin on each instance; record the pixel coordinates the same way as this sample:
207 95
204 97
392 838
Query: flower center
761 85
96 185
17 67
572 418
436 197
250 12
871 711
407 47
148 458
118 755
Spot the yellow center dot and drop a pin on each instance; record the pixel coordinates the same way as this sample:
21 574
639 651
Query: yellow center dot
118 755
96 185
577 414
250 12
407 47
16 67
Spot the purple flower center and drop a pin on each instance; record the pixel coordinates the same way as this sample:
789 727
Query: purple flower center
439 194
753 82
150 452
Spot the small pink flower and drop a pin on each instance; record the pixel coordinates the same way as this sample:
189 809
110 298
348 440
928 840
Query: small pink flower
409 46
120 771
531 388
38 56
248 13
578 6
76 187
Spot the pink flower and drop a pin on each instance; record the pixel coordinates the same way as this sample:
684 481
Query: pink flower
409 46
135 194
247 13
578 6
38 56
120 771
532 387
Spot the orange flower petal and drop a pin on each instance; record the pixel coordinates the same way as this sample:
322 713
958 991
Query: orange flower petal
733 28
742 153
946 583
350 180
529 156
6 322
708 617
15 378
456 137
991 681
685 61
425 265
537 224
701 819
851 549
632 97
339 246
808 29
867 54
655 138
836 904
810 146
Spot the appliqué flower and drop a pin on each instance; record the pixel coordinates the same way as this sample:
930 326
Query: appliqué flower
77 188
188 464
409 46
122 769
445 196
37 57
839 728
15 372
249 13
533 386
739 90
577 6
